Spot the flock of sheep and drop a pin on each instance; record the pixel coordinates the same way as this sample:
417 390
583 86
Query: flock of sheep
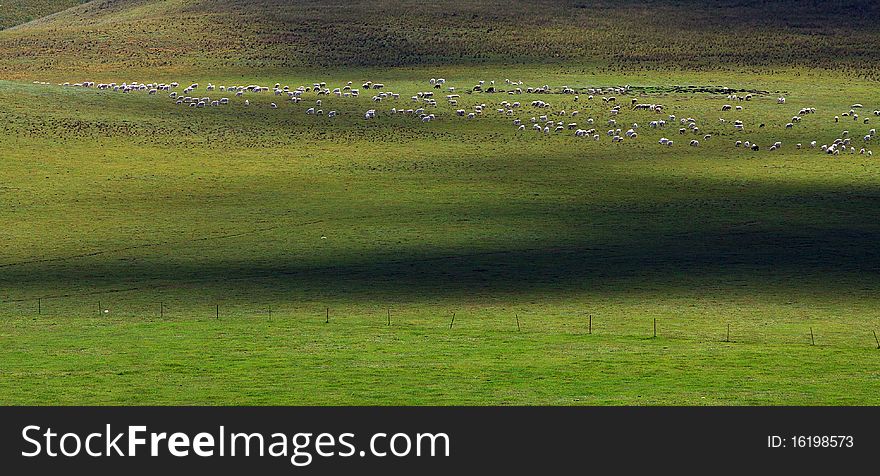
537 115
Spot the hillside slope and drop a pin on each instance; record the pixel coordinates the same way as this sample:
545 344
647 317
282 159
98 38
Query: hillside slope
171 35
16 12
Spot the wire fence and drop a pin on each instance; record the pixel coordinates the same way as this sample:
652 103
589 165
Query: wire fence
741 327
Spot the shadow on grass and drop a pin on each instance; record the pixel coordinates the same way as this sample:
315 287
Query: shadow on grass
771 241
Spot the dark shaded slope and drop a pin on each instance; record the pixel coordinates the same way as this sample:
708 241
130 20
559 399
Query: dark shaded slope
170 35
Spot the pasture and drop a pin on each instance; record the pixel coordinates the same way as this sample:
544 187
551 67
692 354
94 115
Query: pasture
168 216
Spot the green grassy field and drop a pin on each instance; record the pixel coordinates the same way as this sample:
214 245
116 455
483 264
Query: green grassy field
165 216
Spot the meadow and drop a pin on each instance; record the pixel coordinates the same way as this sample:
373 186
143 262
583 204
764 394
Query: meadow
159 254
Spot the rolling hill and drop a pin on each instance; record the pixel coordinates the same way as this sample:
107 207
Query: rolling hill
110 36
16 12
